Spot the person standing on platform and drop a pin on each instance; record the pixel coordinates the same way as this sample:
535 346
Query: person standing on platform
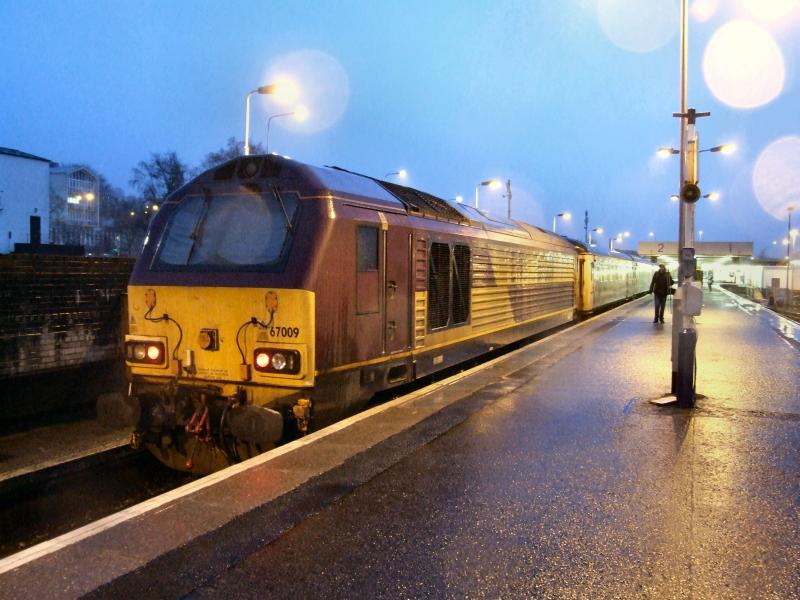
710 280
659 287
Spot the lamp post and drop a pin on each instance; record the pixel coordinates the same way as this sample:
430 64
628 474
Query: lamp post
493 184
269 123
264 89
300 113
563 215
611 241
401 174
598 230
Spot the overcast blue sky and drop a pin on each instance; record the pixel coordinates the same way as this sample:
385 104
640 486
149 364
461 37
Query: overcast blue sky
557 96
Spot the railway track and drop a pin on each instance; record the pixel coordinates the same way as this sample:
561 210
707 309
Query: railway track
43 504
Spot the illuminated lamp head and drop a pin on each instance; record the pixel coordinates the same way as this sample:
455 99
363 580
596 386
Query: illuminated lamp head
262 360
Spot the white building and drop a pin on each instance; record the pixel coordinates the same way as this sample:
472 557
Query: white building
24 193
74 206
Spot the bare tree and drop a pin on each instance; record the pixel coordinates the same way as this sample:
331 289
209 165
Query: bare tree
233 149
159 177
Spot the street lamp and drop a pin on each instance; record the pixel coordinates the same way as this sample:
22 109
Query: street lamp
713 196
611 241
564 215
300 114
598 230
264 89
724 148
460 199
401 174
700 234
492 184
675 197
651 234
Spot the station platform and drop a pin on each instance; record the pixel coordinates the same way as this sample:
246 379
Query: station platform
545 473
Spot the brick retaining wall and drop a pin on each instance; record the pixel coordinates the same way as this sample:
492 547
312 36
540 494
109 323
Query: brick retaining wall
61 325
59 312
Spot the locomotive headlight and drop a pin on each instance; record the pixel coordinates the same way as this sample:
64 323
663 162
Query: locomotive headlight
262 360
139 352
278 361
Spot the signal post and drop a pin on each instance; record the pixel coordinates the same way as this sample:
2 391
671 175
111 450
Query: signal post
687 303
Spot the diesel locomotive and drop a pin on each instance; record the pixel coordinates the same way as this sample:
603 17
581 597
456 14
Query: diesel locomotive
274 297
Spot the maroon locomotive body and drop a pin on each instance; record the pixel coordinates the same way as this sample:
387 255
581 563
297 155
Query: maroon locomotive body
274 296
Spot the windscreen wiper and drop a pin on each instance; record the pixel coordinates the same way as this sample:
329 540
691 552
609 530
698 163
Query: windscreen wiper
283 208
198 227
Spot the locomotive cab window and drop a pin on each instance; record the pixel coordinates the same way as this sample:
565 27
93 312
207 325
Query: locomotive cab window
367 275
245 231
367 250
448 285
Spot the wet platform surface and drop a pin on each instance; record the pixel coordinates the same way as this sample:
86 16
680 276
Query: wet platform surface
27 451
546 474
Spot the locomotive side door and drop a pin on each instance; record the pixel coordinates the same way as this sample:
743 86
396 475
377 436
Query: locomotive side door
397 265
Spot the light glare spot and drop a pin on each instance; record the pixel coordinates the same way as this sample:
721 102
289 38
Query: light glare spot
770 10
703 10
301 113
322 86
776 177
285 91
639 25
743 66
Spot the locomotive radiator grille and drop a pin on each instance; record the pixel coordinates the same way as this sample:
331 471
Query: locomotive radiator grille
513 285
420 287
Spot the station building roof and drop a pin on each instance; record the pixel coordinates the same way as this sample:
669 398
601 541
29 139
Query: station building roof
21 154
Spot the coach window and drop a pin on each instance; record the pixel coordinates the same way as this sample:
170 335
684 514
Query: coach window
367 283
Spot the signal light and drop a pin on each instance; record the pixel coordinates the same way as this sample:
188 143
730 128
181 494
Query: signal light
690 192
153 352
273 360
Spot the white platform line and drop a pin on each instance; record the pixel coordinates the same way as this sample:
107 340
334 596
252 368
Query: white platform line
35 552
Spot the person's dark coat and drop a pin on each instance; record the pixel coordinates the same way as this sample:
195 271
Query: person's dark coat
661 283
